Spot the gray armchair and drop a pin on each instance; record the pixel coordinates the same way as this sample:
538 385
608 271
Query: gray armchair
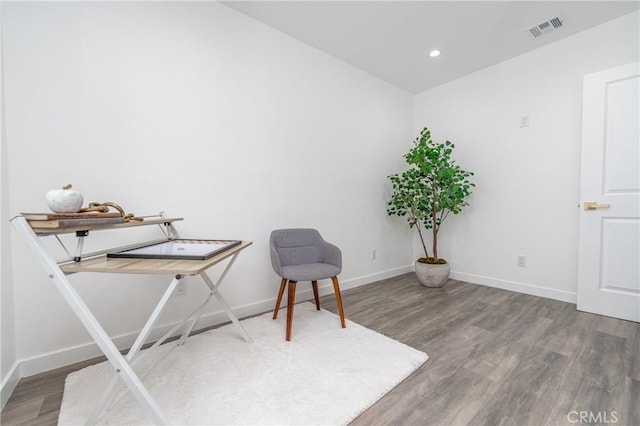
303 255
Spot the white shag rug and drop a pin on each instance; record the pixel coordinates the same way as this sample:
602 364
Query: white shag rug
326 375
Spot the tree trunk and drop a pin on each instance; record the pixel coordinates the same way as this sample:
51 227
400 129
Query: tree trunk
435 245
435 237
424 247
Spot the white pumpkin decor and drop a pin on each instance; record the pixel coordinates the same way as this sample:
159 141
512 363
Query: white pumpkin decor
65 200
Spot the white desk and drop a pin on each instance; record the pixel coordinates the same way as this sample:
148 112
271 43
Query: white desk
98 262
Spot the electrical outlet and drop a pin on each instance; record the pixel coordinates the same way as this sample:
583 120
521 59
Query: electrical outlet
181 288
521 261
524 121
373 254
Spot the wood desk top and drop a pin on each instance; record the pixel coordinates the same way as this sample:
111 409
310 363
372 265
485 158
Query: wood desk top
149 266
133 223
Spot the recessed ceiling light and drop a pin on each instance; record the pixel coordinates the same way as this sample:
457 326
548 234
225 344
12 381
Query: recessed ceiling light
434 53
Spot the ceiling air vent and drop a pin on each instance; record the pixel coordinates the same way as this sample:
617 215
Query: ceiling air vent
545 27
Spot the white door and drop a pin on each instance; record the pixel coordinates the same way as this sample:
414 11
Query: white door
609 250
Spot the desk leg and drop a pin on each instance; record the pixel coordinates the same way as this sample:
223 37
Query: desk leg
214 291
88 320
102 403
146 330
119 363
196 317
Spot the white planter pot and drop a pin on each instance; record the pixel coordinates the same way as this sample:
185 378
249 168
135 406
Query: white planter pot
432 275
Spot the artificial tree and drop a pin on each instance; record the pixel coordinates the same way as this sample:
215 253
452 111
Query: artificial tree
433 187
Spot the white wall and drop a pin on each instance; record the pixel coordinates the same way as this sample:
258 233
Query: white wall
527 179
9 374
8 366
197 110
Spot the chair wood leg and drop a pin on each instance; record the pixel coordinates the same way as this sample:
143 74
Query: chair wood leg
291 300
283 283
314 285
336 290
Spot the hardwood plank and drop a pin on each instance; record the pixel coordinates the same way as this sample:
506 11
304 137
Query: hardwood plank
595 382
447 403
501 315
505 352
502 356
528 394
568 331
628 409
633 356
616 327
48 419
633 409
51 404
24 411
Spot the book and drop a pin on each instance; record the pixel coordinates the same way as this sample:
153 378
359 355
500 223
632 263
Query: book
65 223
55 216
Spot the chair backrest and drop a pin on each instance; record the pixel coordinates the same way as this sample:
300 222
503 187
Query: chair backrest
298 246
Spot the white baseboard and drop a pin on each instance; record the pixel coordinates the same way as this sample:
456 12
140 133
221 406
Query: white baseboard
67 356
9 383
534 290
378 276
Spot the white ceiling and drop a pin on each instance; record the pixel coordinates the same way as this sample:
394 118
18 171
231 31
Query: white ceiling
391 39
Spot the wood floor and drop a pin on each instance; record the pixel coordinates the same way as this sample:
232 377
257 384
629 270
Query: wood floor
496 358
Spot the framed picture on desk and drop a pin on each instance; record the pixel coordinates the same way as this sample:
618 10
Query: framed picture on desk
180 249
